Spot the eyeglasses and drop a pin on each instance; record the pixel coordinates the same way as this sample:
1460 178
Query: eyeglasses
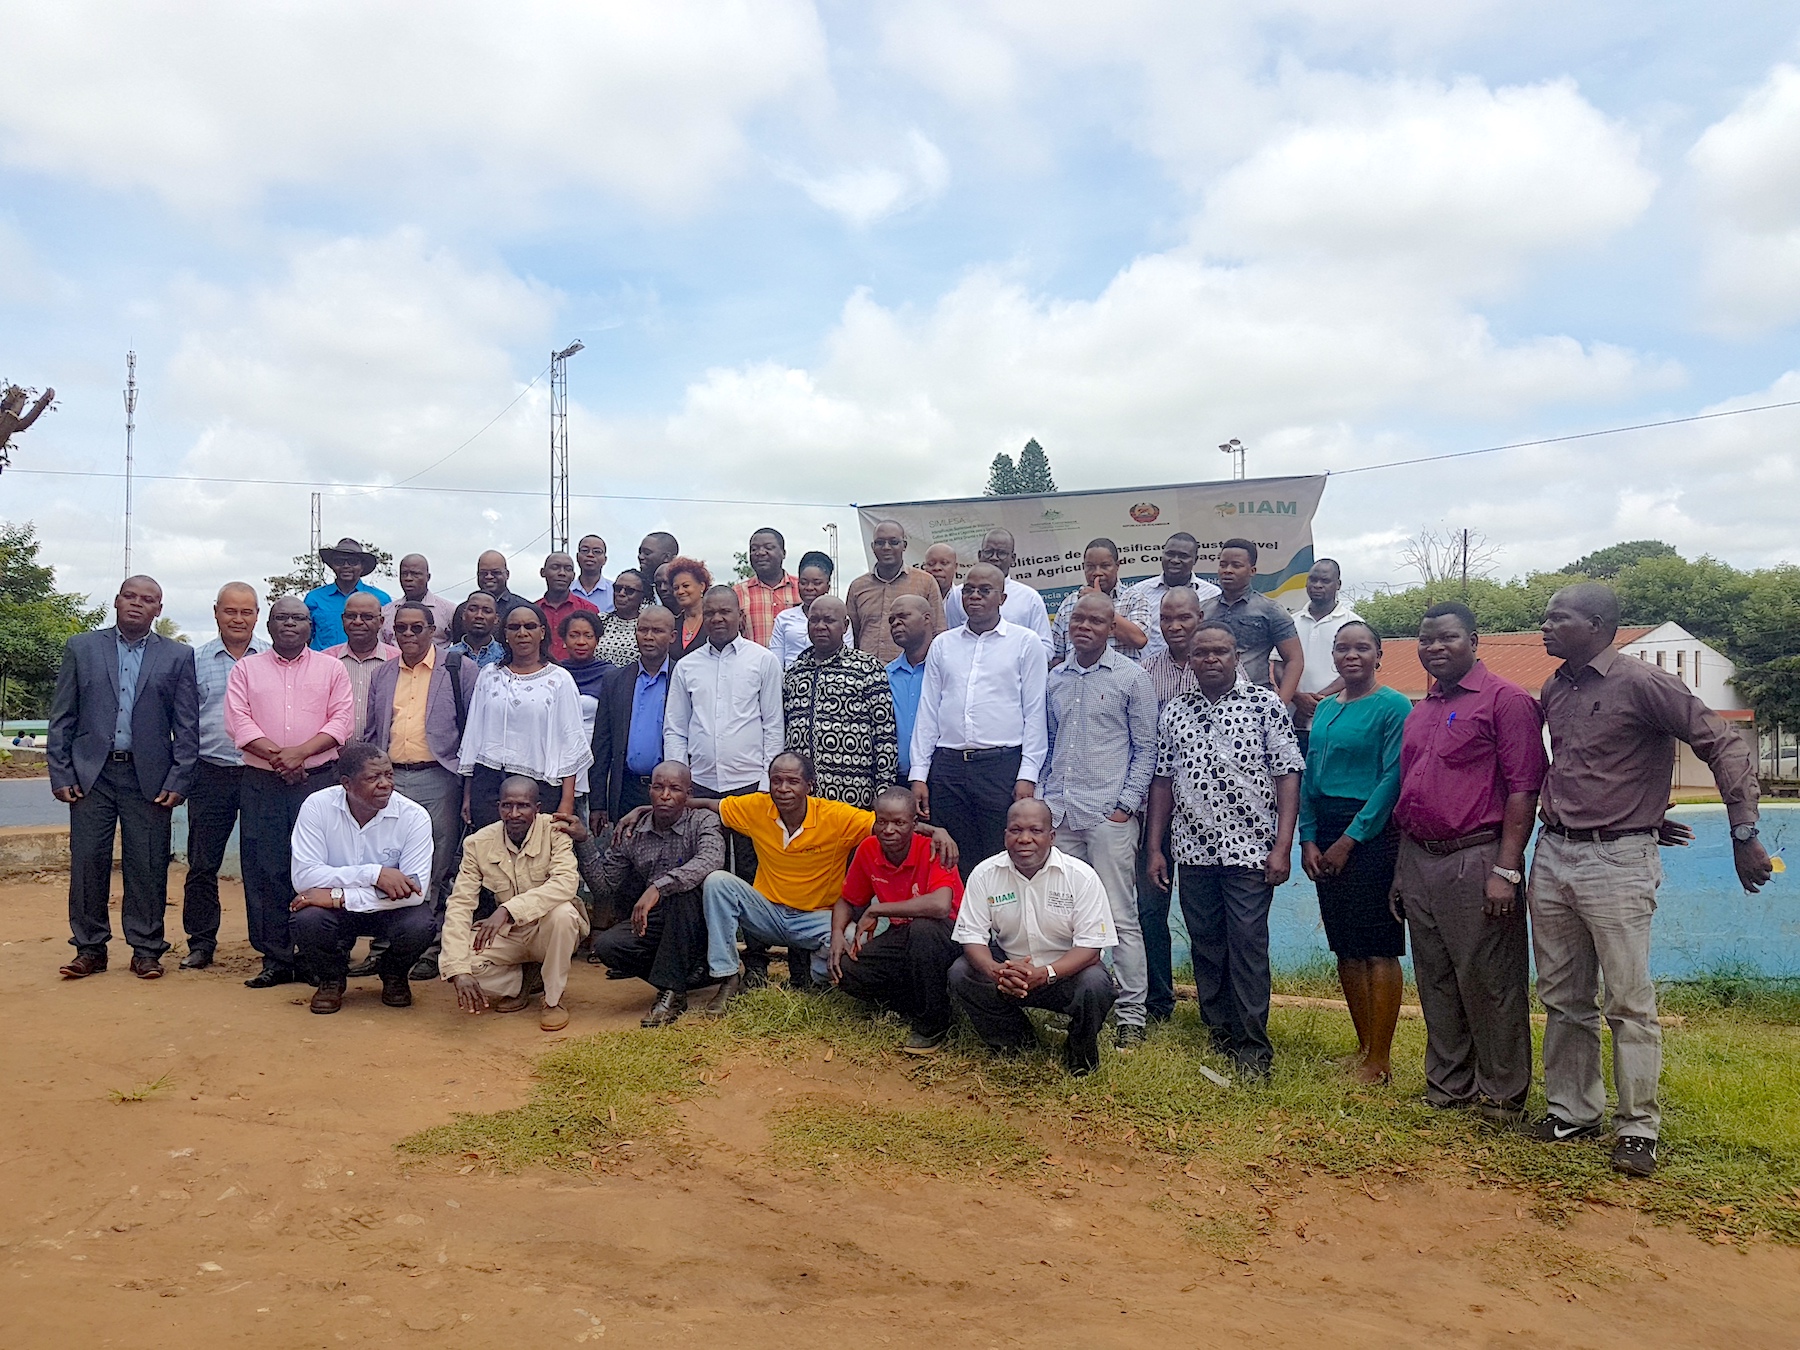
408 628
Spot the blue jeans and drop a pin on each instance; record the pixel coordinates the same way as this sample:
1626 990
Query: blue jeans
732 902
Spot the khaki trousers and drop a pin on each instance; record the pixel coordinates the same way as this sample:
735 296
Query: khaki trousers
550 940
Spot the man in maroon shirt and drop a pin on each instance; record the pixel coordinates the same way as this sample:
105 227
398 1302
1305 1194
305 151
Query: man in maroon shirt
1471 763
559 601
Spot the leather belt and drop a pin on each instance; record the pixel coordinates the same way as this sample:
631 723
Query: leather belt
419 764
1594 836
974 756
119 756
1443 848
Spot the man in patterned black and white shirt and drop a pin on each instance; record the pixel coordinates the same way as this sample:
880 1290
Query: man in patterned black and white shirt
1228 778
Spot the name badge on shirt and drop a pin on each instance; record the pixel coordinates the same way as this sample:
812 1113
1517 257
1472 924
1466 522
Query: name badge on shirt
1061 900
1010 898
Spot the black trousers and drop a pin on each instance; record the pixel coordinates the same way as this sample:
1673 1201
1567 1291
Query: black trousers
1227 914
484 796
324 938
212 809
970 799
906 967
1153 918
999 1019
634 791
672 952
116 805
270 806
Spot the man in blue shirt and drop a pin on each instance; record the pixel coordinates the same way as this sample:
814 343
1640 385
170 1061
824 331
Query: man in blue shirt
628 725
910 625
477 618
349 562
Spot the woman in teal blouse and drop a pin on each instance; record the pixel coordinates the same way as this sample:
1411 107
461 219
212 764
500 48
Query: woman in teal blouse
1348 843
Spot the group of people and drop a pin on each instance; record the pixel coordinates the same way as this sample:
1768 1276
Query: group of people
928 793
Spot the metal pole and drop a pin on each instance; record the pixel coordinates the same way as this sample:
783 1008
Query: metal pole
832 531
130 428
1465 564
316 532
559 447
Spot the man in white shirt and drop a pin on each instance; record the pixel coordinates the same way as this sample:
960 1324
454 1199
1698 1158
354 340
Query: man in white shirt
979 739
1143 602
590 564
361 864
1022 606
1318 626
1048 913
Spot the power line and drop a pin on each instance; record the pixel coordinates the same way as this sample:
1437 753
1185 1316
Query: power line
459 449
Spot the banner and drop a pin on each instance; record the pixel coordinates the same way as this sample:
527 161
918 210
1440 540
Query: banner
1051 531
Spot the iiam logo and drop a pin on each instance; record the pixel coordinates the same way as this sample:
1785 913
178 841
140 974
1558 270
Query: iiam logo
1145 513
1263 508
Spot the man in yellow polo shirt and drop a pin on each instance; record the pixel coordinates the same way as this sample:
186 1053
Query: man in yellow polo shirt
803 847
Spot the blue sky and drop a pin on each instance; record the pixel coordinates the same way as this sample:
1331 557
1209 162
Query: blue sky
838 252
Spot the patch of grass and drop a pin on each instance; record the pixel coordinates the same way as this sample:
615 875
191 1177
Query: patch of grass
940 1139
142 1092
1733 989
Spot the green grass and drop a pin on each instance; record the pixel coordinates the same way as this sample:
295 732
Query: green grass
1731 1137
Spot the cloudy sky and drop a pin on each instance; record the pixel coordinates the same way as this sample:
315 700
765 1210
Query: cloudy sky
845 252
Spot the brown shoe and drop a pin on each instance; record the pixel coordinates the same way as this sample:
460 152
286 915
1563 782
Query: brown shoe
146 967
509 1003
396 991
328 997
555 1017
85 964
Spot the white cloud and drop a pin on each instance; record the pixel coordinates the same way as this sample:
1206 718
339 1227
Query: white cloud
870 192
1748 167
211 103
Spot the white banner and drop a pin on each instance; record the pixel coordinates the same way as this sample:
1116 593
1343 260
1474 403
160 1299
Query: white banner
1052 531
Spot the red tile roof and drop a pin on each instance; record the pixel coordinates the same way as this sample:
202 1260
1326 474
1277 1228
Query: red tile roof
1519 657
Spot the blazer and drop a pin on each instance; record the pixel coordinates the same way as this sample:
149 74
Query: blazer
442 736
612 730
165 719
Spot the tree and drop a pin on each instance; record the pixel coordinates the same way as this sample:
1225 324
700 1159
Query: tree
1449 555
1034 470
1703 596
167 627
35 620
1499 606
310 572
1603 564
1003 478
740 565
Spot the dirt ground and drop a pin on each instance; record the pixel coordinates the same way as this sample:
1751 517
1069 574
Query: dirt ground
258 1200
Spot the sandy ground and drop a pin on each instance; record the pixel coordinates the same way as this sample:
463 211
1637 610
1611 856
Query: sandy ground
258 1200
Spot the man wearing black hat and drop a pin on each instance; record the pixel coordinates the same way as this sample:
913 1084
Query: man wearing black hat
349 562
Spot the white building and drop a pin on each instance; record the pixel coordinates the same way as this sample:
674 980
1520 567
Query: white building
1705 670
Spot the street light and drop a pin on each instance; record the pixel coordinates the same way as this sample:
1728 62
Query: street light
1235 448
559 447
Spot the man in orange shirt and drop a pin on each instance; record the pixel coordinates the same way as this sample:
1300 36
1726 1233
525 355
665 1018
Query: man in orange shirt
770 587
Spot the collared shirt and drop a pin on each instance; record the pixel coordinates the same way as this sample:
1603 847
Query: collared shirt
761 602
330 849
487 656
1102 733
1168 677
1144 606
212 668
618 641
131 665
1613 727
529 724
326 605
803 870
1035 918
412 686
905 680
724 714
673 860
361 669
1259 623
1316 638
649 697
1464 751
839 712
289 702
1223 759
1123 606
1023 607
870 599
789 637
982 691
873 877
599 595
530 879
443 613
555 614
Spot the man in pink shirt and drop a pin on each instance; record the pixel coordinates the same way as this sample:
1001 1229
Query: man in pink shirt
1471 763
288 709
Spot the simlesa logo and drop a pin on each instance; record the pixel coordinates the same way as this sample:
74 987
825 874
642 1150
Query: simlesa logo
1145 513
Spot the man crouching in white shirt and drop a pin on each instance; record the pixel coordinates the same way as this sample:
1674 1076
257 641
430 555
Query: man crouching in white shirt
361 859
1049 914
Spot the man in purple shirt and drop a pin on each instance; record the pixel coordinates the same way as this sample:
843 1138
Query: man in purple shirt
1471 763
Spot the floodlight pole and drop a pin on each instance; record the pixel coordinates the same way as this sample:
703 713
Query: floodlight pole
1235 448
559 447
131 393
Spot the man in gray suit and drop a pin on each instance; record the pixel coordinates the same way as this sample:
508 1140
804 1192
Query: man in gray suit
124 738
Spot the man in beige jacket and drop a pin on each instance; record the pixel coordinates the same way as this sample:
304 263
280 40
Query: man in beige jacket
528 866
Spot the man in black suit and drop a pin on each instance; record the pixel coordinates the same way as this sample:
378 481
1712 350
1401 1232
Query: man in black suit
628 724
124 738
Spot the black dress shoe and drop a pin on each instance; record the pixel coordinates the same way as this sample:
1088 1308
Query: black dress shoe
270 977
425 968
198 958
363 968
669 1006
396 991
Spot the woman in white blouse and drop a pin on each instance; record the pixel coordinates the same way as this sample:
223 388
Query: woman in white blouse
524 718
789 637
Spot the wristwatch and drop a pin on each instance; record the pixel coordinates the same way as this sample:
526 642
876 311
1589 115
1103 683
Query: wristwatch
1509 874
1049 974
1743 833
337 897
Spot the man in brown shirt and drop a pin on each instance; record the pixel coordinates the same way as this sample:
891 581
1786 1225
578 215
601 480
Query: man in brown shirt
1613 726
871 596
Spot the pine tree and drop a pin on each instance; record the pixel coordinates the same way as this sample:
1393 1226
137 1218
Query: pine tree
1034 470
1003 478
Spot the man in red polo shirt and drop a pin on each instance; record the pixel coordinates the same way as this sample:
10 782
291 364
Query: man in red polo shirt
559 601
895 876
